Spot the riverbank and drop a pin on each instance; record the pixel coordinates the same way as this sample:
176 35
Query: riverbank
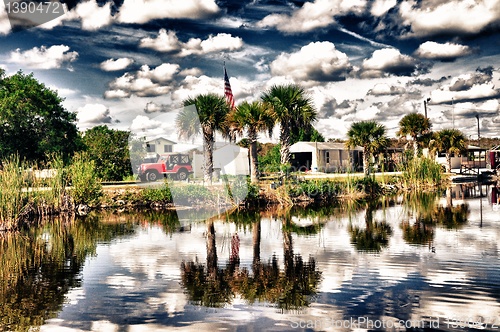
84 195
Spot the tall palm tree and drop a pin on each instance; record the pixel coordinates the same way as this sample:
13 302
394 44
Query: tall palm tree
253 117
210 115
449 141
371 136
416 126
291 108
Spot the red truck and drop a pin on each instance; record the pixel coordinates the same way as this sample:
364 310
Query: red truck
175 165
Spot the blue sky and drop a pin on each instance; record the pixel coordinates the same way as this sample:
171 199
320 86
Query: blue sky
130 63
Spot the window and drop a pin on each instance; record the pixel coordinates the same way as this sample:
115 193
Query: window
167 148
327 157
150 148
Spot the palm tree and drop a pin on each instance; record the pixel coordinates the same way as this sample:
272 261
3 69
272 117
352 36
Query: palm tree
416 126
371 136
210 115
291 108
449 141
253 117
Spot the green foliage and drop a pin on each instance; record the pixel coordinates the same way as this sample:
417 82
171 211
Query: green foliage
208 115
417 126
157 195
33 121
291 107
270 162
44 197
108 148
449 141
12 199
306 133
371 136
86 186
191 193
421 173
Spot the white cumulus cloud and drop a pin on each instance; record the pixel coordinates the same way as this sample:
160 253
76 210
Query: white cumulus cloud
44 57
167 41
438 51
93 16
388 61
118 64
142 11
144 83
317 61
453 17
312 15
92 114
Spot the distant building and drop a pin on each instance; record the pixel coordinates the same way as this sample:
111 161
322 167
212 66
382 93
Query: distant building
229 159
159 145
328 157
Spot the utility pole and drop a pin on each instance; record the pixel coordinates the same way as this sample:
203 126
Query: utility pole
425 106
478 130
452 114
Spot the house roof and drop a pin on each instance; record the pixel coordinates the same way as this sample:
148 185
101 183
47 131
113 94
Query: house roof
329 146
150 139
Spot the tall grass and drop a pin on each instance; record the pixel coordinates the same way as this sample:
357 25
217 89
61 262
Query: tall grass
13 200
421 173
86 187
24 193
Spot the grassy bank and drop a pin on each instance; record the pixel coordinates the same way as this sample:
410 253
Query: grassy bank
26 192
75 187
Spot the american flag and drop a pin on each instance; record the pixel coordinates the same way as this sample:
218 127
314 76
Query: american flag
227 90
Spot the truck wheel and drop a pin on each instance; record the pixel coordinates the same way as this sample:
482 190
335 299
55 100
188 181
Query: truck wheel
152 176
182 175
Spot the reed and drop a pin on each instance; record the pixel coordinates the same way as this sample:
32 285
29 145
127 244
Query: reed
25 194
86 186
421 173
13 200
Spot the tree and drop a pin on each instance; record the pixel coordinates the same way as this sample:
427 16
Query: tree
253 117
371 136
416 126
209 118
449 141
108 148
306 133
291 108
33 122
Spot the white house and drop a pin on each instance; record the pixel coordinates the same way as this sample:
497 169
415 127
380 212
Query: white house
159 145
229 159
325 157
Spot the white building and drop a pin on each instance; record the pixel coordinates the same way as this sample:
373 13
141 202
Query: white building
229 158
325 157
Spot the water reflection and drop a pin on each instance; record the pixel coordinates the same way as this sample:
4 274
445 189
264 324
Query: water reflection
40 265
375 235
289 288
415 258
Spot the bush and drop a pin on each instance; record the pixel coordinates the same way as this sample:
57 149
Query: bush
421 173
157 195
86 187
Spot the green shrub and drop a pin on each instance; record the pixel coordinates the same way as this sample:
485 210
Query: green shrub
421 173
13 199
86 187
157 195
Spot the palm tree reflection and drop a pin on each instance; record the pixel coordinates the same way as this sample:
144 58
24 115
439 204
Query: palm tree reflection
38 267
375 235
428 213
287 289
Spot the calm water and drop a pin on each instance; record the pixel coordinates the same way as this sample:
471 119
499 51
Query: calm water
426 261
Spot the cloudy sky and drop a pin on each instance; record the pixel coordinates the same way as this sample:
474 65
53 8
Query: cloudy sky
130 63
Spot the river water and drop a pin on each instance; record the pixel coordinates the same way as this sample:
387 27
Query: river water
423 261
